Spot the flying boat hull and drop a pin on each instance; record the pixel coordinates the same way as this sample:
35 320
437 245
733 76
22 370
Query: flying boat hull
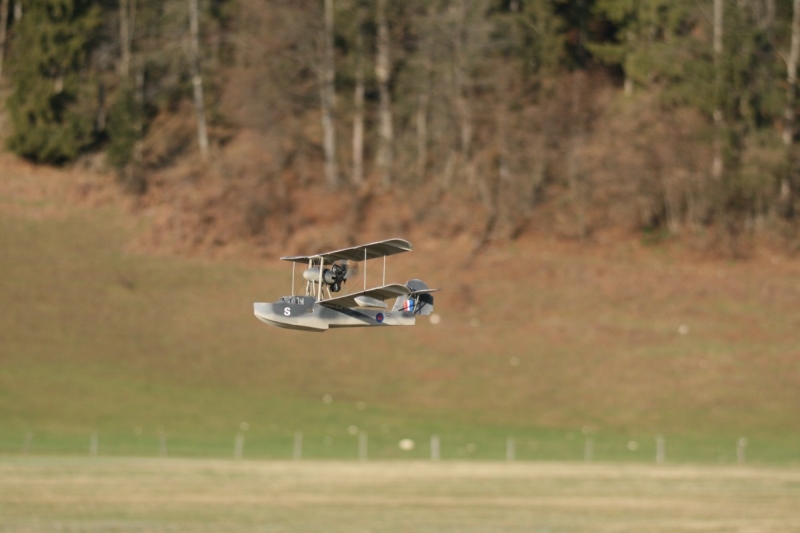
315 317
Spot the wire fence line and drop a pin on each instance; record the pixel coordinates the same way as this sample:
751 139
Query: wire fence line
363 447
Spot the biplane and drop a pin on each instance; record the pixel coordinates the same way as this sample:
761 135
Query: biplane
320 307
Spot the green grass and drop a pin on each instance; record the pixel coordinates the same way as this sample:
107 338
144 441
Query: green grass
94 339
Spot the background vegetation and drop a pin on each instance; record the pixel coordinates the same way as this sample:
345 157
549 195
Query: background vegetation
517 115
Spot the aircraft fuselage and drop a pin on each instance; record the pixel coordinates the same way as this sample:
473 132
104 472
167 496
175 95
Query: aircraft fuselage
304 313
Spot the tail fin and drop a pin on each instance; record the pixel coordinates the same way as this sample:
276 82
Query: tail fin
419 302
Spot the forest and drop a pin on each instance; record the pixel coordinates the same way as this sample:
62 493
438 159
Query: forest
497 118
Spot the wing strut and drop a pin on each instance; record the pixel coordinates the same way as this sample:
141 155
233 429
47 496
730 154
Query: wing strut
321 272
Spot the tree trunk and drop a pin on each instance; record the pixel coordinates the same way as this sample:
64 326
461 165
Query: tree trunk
789 113
327 98
102 114
124 40
490 192
424 99
768 21
382 69
197 81
422 136
463 109
717 165
134 179
770 18
358 117
131 24
575 172
3 26
124 66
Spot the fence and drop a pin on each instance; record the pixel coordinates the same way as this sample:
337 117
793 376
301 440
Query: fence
572 446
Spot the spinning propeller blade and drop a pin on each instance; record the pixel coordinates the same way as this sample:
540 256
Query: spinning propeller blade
351 270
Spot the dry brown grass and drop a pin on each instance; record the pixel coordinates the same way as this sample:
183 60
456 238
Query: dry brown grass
197 495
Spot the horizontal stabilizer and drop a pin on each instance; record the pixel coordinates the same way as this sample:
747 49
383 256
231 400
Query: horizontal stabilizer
417 286
425 291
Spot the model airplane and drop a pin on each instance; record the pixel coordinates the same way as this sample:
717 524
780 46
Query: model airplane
318 310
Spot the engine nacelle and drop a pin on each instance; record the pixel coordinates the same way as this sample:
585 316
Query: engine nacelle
312 274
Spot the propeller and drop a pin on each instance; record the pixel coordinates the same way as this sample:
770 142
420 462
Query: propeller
352 270
341 273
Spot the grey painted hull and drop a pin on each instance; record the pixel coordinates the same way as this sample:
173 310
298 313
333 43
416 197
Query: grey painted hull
304 313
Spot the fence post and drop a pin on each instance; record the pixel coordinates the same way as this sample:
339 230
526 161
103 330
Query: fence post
435 456
238 446
511 449
362 447
741 444
93 444
588 450
661 451
297 451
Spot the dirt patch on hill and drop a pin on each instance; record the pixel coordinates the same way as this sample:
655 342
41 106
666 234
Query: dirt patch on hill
243 206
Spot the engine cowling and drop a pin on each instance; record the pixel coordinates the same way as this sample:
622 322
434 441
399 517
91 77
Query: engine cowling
312 274
333 277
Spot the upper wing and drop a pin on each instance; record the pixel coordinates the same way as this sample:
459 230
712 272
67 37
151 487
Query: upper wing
358 253
379 293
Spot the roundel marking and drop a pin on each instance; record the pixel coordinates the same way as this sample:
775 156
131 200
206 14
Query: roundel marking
379 317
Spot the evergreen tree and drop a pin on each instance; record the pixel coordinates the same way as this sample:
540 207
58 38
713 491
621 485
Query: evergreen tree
650 40
48 105
123 132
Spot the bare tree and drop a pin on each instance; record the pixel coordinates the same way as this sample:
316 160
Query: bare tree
132 175
125 39
461 87
789 112
422 135
490 190
197 80
717 165
382 71
3 26
327 76
576 171
576 174
769 17
424 96
127 11
358 104
470 42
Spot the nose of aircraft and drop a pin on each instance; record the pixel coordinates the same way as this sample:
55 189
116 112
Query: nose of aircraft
262 311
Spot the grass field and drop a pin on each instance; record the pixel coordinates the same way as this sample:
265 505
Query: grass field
539 342
191 495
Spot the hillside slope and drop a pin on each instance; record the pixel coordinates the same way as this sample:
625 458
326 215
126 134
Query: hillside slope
539 339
